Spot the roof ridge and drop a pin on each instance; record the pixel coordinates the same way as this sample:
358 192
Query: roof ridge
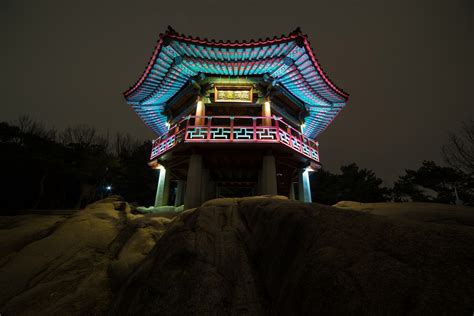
297 34
172 33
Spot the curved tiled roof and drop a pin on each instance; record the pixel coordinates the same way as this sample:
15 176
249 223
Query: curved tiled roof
289 60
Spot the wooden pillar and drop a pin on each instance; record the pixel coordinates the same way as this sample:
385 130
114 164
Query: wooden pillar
200 111
267 112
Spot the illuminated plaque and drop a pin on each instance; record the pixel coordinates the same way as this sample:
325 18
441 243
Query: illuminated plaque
233 93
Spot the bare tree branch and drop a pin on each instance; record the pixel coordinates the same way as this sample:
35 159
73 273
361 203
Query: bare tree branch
28 125
84 135
459 152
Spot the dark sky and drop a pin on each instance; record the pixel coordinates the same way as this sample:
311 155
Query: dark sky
407 65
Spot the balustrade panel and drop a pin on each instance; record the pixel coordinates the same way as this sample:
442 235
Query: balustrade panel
268 134
242 133
220 133
235 129
284 138
196 133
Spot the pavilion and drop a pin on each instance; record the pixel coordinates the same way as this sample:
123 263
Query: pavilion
234 118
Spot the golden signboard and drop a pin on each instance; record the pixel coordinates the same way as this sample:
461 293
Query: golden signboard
233 93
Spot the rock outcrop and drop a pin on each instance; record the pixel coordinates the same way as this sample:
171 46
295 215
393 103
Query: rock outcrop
416 211
254 256
267 256
70 265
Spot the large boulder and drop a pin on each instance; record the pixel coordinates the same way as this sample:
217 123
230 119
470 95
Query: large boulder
269 256
258 256
65 265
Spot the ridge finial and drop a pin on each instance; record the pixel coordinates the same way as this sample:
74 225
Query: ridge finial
297 31
171 31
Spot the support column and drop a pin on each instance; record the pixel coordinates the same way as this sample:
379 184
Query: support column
200 111
166 191
304 190
179 193
163 188
193 185
211 191
267 112
259 182
269 182
291 196
204 185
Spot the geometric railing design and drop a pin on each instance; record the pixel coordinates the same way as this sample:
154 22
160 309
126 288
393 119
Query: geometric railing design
237 129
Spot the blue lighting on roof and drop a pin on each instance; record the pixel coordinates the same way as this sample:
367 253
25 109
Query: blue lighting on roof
288 61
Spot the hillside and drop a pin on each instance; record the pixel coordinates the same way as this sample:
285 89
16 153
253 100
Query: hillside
240 256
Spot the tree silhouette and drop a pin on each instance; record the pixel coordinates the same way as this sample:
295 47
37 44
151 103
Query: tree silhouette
433 183
43 168
353 184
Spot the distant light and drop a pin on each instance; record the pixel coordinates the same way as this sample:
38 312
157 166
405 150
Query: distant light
108 188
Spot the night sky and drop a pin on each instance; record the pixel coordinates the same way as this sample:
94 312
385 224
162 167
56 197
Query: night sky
407 65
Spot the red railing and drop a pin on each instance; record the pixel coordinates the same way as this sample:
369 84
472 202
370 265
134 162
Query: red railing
238 129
